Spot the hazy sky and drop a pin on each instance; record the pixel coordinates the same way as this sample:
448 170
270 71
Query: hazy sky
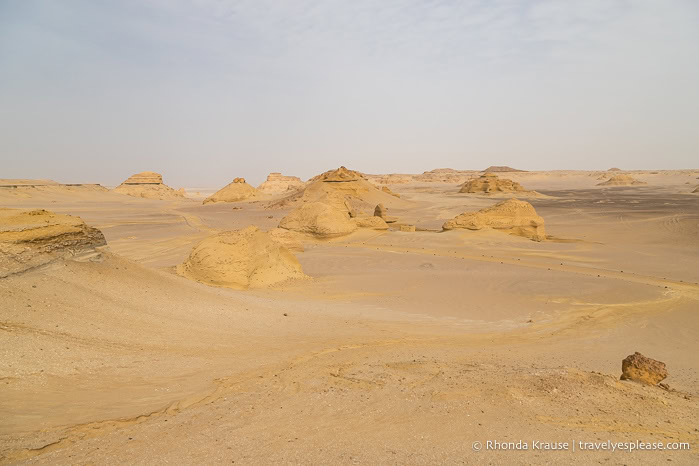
204 91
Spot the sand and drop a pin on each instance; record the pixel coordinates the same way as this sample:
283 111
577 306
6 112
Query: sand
401 347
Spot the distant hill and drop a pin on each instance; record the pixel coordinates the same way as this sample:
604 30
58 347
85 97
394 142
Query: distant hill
500 169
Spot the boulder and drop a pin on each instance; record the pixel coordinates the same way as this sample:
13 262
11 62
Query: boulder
380 211
642 369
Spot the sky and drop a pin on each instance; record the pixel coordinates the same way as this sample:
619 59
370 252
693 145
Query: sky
204 91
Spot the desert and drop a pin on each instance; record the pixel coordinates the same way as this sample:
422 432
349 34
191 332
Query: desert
405 232
130 323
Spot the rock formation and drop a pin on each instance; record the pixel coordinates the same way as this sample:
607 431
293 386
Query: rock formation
291 240
145 178
277 183
512 216
621 180
30 238
320 220
642 369
339 187
387 190
236 191
382 212
696 190
407 228
241 259
443 175
148 185
374 223
489 183
614 169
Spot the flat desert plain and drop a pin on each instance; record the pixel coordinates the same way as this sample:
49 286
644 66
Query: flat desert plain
394 347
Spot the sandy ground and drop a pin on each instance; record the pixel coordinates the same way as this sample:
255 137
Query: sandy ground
403 348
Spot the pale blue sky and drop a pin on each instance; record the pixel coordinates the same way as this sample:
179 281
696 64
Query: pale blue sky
204 91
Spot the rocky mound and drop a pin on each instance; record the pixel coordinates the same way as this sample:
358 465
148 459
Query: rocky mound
489 183
30 238
442 175
387 190
339 187
512 216
621 180
614 169
501 169
236 191
277 183
374 223
320 220
145 178
148 185
241 259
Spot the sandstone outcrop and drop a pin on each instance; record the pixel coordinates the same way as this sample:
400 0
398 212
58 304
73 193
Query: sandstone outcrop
382 212
30 238
339 187
320 220
387 190
277 183
621 180
236 191
511 216
148 185
374 223
489 183
241 259
642 369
